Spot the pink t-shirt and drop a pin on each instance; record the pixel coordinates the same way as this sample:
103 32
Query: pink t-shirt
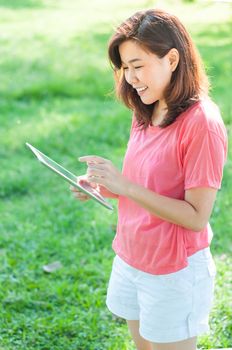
189 153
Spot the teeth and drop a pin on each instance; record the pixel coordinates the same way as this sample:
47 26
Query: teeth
141 89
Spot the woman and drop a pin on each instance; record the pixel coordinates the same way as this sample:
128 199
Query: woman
163 273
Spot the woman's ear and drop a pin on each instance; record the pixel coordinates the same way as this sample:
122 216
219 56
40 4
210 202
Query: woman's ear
173 56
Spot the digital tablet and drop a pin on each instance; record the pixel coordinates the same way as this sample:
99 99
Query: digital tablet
71 178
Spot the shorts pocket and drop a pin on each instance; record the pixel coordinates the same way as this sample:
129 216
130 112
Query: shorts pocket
205 269
181 281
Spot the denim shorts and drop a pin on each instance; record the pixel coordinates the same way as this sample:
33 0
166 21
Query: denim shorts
171 307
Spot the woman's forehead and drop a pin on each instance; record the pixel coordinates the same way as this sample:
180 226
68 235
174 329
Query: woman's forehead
130 51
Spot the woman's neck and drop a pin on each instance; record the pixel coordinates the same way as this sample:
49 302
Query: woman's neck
159 113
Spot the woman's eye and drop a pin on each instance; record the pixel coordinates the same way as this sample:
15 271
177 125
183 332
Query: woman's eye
127 68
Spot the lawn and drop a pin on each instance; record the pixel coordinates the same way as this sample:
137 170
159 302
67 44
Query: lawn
56 93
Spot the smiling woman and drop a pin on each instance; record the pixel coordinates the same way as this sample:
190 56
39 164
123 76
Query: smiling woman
163 274
149 75
154 40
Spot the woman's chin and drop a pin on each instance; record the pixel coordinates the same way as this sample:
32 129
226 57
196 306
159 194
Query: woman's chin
148 101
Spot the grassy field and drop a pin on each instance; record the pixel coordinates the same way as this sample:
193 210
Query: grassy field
55 92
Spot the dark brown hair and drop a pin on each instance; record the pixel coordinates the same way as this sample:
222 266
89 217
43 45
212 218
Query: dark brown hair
158 32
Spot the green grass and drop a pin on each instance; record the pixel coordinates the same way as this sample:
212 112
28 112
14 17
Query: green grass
55 93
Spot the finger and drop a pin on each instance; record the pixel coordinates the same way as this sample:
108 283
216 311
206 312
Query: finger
77 193
94 159
98 180
83 199
97 166
95 172
81 177
85 183
73 189
81 196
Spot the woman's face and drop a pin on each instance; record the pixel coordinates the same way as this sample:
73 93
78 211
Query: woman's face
146 72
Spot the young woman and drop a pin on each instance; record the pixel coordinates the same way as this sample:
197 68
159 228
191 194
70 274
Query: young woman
163 273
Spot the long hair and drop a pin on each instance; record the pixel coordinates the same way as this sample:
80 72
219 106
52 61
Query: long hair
158 32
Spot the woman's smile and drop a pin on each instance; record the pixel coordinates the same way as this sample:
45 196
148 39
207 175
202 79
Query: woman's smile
141 90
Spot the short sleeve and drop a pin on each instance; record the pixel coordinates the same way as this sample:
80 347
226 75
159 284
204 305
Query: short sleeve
204 159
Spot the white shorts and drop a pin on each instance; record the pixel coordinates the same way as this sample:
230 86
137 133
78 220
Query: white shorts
170 307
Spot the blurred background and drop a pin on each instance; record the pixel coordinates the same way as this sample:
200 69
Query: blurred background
56 92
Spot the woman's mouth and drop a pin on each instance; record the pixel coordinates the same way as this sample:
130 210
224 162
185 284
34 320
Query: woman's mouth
141 90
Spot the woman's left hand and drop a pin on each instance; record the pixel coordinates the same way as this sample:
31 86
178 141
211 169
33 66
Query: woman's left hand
102 171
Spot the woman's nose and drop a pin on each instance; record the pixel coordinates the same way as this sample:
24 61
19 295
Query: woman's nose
132 78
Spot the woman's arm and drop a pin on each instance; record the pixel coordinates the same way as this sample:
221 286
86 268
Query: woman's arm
106 193
193 212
